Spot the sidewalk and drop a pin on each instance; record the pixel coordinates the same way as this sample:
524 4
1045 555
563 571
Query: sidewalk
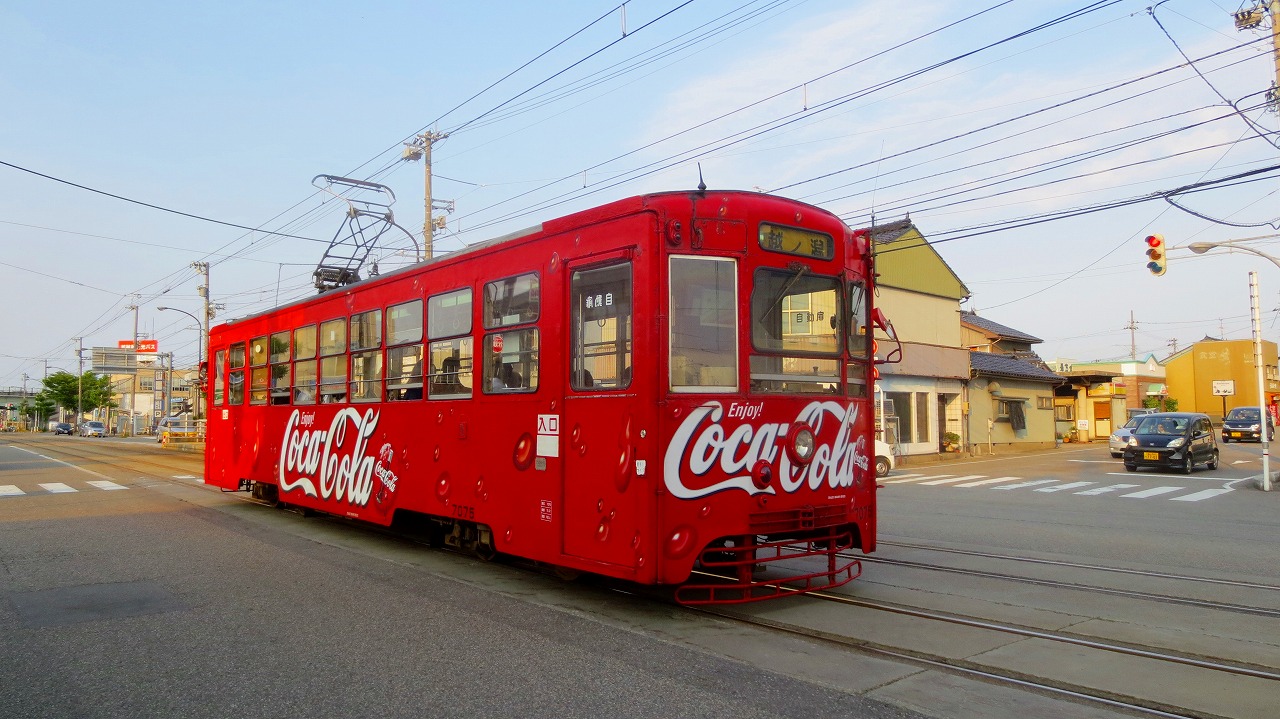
980 453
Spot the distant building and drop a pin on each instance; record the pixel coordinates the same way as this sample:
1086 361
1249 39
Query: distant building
1229 364
1101 395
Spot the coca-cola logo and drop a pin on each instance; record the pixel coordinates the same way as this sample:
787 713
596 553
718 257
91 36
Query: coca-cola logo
333 463
704 444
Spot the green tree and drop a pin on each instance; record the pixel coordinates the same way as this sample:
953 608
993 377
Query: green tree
1170 404
88 392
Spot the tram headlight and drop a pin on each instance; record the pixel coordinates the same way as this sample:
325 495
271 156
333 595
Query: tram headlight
803 444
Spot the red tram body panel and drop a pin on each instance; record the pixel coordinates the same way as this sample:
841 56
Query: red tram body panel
665 383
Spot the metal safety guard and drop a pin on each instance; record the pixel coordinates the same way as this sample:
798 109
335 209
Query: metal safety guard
749 555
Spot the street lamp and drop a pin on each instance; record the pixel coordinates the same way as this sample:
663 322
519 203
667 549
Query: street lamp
1202 247
199 351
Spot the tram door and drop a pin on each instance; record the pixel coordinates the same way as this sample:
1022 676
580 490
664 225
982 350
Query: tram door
604 499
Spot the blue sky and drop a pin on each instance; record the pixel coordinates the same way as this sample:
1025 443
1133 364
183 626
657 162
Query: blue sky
965 119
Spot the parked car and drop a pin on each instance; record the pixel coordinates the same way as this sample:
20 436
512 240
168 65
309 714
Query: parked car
1243 423
1172 440
93 428
884 458
63 428
1120 438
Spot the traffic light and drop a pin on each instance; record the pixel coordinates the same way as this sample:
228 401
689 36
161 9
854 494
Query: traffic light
1157 262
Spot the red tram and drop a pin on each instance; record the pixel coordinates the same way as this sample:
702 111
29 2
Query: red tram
668 382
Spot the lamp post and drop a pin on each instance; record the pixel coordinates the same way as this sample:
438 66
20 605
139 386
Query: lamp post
199 353
1254 305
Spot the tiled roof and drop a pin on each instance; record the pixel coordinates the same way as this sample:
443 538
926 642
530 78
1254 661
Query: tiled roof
996 328
1000 365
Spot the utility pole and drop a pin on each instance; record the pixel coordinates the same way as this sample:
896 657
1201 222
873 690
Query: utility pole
203 291
79 381
133 388
1254 307
420 148
1133 336
1250 18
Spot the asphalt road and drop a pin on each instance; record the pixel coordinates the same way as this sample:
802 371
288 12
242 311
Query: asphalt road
147 595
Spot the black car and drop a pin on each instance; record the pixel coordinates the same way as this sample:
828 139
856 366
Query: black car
1172 440
63 428
1244 423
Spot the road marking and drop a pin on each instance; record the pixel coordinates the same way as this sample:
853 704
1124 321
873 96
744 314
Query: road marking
1063 487
1108 488
1093 461
988 481
56 488
105 485
10 490
185 476
916 478
1152 492
1032 483
68 464
965 478
1243 461
1203 494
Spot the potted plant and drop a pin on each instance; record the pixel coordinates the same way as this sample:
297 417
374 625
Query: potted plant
951 442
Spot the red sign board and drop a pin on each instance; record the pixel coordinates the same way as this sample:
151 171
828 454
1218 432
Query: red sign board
143 345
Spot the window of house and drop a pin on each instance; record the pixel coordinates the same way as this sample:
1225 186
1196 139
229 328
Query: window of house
907 413
1044 403
704 324
1064 412
451 350
600 318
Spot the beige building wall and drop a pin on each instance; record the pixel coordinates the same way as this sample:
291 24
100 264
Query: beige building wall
1190 375
988 430
926 319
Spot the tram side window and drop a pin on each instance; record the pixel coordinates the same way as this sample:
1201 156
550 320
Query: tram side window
513 301
451 350
258 370
366 356
333 361
235 378
601 324
220 373
511 361
304 365
704 324
279 368
796 330
861 346
404 351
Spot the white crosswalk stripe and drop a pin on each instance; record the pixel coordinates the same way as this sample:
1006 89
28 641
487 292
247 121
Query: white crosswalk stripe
965 478
1108 488
10 490
1154 492
912 478
105 485
1202 494
57 488
1064 487
989 481
1032 483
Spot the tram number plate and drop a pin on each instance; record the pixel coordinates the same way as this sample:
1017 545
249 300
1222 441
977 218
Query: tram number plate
1151 455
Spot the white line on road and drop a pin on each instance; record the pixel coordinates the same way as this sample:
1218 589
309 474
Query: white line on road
1153 492
106 485
56 488
1203 494
10 490
1032 483
989 481
68 464
1108 488
1063 487
965 478
913 478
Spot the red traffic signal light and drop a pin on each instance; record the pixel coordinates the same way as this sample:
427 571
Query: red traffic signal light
1157 262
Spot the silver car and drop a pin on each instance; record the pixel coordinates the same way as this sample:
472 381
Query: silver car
93 428
1120 438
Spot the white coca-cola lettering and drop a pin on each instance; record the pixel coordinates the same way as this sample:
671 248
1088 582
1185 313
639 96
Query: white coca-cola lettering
327 463
702 443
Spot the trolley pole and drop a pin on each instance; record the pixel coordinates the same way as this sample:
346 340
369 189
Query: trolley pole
1254 305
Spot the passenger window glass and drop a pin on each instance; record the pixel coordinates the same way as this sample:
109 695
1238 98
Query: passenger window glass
451 369
404 323
366 330
333 379
304 382
237 355
366 376
511 361
258 352
449 315
513 301
704 345
600 352
304 343
220 372
258 385
280 383
280 347
333 337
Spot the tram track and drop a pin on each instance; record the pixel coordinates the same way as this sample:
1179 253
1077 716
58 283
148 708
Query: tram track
975 668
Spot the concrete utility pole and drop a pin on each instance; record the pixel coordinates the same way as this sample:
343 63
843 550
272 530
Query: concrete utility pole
420 148
79 381
1133 336
1255 308
1250 18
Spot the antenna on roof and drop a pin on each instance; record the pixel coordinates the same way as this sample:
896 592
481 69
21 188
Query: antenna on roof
702 186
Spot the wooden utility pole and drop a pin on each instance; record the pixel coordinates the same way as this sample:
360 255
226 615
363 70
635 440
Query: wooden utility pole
1251 18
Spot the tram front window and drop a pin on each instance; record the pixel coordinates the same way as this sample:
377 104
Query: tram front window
704 327
796 332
